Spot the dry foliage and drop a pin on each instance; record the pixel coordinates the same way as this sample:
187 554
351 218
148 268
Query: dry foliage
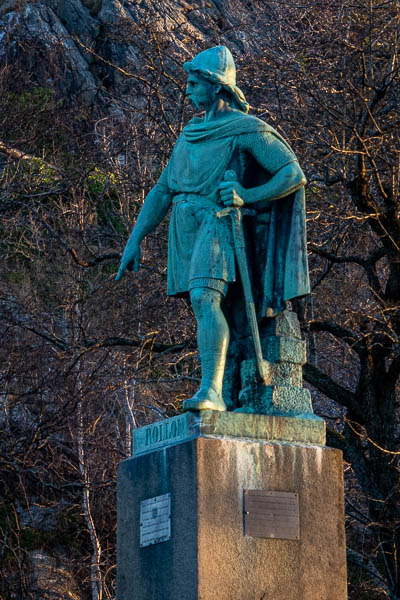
85 360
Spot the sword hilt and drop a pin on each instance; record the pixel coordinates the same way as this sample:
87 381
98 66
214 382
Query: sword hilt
230 175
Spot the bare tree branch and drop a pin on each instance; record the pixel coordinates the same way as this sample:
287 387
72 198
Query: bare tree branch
325 384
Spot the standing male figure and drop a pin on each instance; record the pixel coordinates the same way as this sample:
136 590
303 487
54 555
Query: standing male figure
201 258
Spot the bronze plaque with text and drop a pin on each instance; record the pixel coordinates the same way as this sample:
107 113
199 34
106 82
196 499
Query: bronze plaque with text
271 514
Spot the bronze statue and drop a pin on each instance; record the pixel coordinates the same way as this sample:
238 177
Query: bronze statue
232 180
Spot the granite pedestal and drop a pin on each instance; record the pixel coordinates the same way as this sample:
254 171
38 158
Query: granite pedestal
206 467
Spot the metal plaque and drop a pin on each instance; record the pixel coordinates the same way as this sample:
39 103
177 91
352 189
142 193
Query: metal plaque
271 514
155 520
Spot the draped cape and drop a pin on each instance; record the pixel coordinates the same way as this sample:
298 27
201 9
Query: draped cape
276 237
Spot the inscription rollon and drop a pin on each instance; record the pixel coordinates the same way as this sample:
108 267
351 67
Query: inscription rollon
271 514
157 435
155 520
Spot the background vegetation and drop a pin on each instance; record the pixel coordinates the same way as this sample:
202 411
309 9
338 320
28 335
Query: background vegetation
84 359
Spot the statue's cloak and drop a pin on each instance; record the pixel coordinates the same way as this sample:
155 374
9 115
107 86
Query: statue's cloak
276 237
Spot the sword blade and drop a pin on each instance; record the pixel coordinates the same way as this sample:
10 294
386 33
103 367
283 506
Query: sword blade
241 257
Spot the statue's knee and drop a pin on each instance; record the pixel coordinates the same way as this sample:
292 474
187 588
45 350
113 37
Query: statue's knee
197 299
203 300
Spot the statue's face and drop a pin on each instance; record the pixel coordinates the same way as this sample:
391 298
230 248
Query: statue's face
200 91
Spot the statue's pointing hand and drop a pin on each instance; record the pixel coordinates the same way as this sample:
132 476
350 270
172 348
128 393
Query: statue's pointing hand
230 190
130 259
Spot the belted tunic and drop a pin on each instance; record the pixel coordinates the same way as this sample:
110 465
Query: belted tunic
200 244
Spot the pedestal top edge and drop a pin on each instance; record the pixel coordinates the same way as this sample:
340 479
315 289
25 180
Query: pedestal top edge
304 429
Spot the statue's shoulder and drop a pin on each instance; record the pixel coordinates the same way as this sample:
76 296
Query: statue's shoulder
253 124
257 126
246 120
250 119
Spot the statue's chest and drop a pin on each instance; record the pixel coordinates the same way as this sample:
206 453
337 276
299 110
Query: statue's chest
207 154
202 161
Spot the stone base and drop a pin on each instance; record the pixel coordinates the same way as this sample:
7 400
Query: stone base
284 352
276 400
209 557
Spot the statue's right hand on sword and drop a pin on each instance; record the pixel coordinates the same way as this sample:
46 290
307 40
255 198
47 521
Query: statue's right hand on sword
230 190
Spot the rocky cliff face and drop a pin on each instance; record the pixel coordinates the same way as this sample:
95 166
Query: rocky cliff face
88 48
57 56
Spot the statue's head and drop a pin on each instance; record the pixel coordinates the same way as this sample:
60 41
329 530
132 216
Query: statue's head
216 67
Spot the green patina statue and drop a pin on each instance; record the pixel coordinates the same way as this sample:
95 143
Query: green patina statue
232 181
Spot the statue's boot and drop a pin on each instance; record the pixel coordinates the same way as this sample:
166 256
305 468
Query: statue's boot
206 398
212 339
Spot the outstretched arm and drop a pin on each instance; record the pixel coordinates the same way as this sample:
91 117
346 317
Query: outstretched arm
155 207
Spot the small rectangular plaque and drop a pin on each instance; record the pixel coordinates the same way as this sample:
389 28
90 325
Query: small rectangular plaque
155 520
271 514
